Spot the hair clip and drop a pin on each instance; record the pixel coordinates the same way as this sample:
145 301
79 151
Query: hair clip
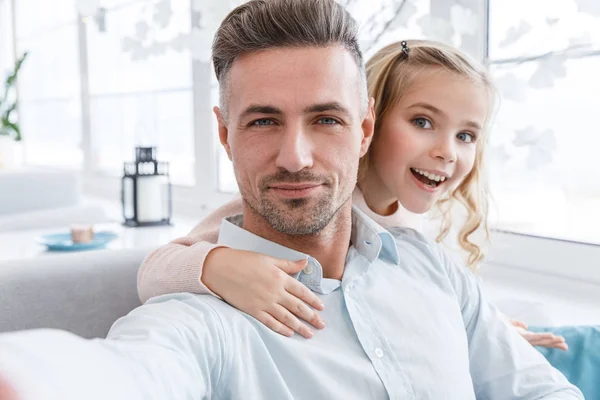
405 48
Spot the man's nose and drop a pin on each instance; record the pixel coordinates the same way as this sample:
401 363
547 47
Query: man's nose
296 150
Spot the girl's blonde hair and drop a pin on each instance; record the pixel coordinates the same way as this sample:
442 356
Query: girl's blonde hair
390 73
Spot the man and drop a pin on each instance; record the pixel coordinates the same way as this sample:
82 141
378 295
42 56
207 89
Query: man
403 322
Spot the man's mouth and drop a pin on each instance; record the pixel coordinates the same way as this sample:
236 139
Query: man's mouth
295 190
429 179
294 186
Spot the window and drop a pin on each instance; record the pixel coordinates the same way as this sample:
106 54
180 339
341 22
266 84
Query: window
138 73
49 86
543 149
140 85
6 38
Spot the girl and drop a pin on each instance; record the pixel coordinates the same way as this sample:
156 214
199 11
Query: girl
432 105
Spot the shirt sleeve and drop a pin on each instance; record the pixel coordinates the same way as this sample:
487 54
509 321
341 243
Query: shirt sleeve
503 364
168 349
177 266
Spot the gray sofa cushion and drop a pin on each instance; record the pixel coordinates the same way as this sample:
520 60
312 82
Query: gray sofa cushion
32 189
83 293
52 218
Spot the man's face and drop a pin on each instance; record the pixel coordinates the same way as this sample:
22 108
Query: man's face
295 133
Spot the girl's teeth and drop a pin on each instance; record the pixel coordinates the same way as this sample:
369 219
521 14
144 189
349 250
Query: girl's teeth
433 177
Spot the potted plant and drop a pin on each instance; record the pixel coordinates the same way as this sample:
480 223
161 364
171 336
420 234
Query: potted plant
10 132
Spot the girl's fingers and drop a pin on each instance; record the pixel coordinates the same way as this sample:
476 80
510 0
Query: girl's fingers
543 342
299 290
270 322
282 315
290 267
546 340
518 324
301 310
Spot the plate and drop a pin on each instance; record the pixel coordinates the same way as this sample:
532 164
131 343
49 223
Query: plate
63 242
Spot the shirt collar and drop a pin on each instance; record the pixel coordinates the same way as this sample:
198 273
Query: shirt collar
369 239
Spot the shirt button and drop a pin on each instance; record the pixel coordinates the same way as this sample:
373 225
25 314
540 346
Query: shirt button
378 353
308 270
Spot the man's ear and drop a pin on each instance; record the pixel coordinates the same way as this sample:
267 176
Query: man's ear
223 131
368 127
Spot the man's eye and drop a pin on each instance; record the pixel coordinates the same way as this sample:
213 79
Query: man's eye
328 121
423 123
262 122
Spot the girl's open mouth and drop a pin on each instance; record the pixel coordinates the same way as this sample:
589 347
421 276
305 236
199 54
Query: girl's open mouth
430 180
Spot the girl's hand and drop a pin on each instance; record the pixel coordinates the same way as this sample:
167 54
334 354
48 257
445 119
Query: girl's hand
544 339
260 286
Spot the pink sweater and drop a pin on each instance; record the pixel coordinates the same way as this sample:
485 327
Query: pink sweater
177 266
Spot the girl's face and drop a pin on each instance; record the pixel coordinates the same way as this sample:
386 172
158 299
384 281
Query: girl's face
426 144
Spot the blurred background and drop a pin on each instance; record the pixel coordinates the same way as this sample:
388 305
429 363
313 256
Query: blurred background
103 76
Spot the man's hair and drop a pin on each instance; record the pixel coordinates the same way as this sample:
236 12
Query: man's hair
266 24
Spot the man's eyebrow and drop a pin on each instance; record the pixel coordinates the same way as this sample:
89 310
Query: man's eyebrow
436 110
261 109
332 106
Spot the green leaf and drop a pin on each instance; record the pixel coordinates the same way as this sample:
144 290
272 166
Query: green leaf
12 78
10 126
7 127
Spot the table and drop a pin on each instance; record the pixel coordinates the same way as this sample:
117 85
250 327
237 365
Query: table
18 245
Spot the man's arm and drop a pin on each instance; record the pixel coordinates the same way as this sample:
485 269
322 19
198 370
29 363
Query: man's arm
503 364
166 349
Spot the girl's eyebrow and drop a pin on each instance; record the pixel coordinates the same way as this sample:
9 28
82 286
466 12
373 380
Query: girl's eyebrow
437 111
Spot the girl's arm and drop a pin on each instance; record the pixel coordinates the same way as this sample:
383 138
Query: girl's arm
177 266
254 283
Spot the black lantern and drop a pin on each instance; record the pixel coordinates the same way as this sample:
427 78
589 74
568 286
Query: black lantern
146 190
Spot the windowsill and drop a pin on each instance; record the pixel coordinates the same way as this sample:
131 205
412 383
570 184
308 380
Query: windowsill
539 299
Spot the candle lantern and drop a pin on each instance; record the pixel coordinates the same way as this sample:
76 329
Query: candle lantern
146 190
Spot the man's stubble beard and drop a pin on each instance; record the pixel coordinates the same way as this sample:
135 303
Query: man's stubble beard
297 217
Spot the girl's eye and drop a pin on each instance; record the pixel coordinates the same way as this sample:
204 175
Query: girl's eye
423 123
262 122
327 121
466 137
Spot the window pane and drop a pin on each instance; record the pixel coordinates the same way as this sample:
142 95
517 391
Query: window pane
134 54
6 38
35 17
140 77
49 90
523 28
382 22
121 122
51 70
544 149
52 132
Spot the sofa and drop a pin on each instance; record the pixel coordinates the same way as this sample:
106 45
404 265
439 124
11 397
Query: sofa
34 189
83 292
44 198
86 292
